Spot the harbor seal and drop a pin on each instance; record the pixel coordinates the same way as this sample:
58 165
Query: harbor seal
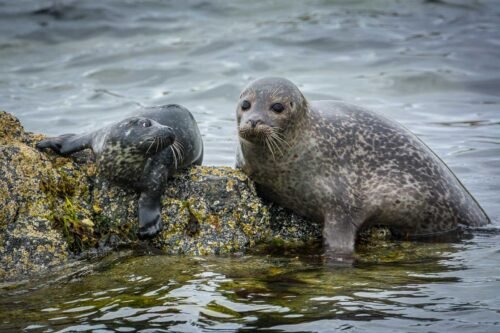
346 167
133 153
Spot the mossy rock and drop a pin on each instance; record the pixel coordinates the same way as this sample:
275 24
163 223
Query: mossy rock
55 209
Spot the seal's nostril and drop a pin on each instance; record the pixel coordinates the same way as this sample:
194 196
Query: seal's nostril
254 122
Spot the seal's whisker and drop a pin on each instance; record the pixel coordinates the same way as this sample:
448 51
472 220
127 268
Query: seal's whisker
165 140
177 156
180 149
177 151
151 145
276 144
279 136
275 148
262 135
157 139
281 139
266 140
176 160
173 154
160 145
269 148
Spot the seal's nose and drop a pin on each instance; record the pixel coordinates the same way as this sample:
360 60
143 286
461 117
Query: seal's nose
254 122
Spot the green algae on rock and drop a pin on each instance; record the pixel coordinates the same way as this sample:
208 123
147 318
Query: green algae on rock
28 242
53 208
56 209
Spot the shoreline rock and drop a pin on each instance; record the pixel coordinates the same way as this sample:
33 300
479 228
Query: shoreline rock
54 209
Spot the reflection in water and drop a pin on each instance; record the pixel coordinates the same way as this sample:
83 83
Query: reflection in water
388 283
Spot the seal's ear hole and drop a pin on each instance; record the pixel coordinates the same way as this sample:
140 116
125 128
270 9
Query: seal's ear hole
291 104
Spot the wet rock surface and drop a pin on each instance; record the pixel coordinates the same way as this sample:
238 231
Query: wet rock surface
54 210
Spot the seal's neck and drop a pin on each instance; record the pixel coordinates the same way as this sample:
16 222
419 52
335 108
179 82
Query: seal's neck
295 132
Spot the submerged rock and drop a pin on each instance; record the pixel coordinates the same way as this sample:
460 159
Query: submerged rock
54 209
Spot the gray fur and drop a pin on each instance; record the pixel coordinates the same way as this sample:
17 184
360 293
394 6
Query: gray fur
140 157
348 168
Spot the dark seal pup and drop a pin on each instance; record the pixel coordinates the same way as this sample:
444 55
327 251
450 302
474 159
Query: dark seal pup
346 167
141 152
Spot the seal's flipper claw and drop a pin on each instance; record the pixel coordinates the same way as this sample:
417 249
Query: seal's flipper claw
64 144
150 223
52 143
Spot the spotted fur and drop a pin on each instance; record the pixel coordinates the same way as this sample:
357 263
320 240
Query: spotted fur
141 157
349 168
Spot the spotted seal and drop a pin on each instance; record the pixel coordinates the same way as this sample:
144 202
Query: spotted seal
346 167
133 153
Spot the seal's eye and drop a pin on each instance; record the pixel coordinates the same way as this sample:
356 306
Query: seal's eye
245 105
277 107
145 123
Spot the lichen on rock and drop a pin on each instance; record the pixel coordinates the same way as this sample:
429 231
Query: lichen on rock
54 208
28 241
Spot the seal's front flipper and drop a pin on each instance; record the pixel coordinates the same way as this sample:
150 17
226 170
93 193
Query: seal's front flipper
65 144
339 238
149 215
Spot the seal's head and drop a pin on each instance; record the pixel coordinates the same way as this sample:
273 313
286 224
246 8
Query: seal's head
268 110
141 135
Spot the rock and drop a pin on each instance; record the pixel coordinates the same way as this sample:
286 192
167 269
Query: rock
55 209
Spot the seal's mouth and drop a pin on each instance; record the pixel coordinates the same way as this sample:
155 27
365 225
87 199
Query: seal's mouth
257 134
161 140
264 135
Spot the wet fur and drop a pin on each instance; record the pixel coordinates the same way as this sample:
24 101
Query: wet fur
141 158
348 168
